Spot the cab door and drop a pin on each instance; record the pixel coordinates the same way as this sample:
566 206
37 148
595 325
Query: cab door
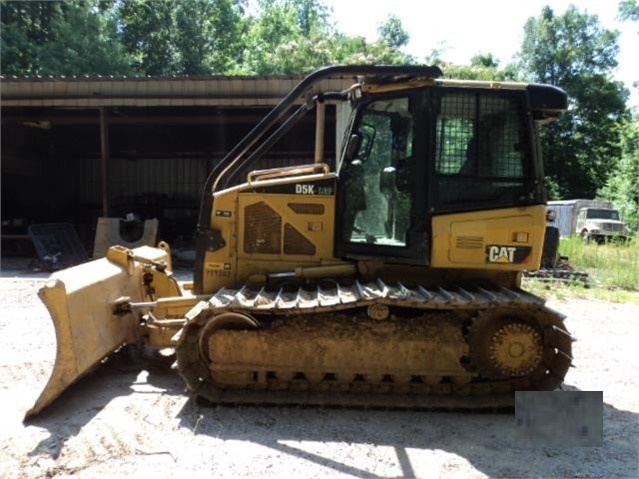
381 194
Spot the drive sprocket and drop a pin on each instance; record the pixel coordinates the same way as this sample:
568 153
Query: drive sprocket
521 343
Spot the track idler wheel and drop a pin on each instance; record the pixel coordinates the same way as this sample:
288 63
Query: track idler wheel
192 351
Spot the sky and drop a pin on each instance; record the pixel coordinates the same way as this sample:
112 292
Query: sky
465 28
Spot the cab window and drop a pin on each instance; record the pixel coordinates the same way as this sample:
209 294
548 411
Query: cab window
482 148
376 200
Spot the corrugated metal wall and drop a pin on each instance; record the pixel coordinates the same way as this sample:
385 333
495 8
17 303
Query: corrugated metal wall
563 219
175 177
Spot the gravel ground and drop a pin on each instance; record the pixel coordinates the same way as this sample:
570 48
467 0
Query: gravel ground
132 417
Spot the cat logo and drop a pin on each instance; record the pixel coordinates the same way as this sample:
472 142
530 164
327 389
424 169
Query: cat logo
507 254
501 254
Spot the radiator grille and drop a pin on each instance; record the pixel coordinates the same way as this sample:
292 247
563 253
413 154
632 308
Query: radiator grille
296 243
262 229
612 227
469 242
307 208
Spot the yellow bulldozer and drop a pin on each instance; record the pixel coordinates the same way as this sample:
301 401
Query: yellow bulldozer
386 277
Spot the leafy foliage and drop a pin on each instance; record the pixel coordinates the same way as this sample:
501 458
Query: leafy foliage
172 37
53 38
482 67
622 187
574 52
392 32
292 36
629 10
175 37
286 37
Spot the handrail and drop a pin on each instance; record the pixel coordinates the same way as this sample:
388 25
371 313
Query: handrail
286 171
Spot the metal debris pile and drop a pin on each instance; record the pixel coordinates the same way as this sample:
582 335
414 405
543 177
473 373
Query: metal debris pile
562 271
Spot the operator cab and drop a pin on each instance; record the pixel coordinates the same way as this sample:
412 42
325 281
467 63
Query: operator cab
435 149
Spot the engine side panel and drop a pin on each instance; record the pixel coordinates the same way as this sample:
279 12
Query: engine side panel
509 239
287 226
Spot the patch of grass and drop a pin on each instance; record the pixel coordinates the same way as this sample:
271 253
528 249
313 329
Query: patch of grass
613 271
611 266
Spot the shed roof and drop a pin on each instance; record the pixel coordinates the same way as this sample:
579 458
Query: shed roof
88 92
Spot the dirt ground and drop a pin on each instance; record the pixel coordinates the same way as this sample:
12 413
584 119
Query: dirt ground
132 418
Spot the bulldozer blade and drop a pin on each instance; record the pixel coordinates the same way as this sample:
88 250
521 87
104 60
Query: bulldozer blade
80 301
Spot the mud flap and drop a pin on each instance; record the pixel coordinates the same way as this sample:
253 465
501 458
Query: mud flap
80 301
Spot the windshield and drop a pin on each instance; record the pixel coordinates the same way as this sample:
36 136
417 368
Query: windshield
602 214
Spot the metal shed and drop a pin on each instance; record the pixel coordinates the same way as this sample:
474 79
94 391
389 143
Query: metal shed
75 149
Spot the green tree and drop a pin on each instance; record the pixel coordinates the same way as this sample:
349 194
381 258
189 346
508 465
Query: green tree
312 16
208 35
575 53
148 31
192 37
53 38
25 26
385 50
286 37
392 32
622 187
483 66
629 10
294 37
83 28
176 37
356 50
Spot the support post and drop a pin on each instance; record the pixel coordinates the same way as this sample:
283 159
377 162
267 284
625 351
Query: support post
320 123
104 157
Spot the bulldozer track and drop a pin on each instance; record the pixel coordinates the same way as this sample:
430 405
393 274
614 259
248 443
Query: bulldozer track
333 296
376 302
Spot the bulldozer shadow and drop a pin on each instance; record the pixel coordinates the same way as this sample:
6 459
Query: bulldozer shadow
349 442
134 369
410 439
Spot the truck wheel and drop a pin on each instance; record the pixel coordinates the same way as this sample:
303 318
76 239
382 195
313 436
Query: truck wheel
585 237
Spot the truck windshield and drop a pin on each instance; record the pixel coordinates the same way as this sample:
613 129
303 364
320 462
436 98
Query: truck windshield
602 214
